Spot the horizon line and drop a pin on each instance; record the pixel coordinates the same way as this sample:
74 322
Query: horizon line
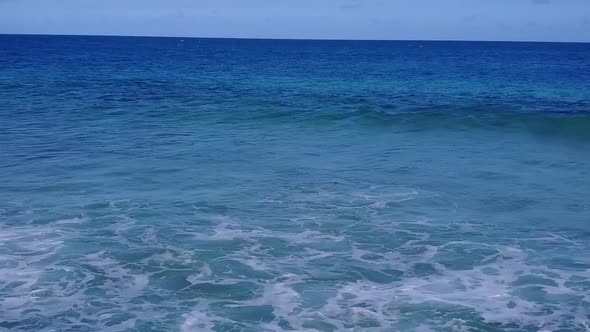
294 39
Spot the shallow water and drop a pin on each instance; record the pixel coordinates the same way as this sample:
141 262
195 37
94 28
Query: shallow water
192 185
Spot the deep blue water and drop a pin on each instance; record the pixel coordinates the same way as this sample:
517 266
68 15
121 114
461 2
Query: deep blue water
170 184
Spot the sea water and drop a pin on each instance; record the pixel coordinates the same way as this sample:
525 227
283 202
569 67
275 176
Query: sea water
179 184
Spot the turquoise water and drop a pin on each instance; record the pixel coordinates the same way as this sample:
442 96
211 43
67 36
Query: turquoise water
231 185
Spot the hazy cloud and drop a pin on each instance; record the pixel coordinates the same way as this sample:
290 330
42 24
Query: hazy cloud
350 5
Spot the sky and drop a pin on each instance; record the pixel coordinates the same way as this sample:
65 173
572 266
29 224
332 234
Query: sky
515 20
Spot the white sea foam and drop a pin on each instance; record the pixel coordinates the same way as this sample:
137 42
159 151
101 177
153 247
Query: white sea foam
491 289
199 320
311 279
72 221
227 231
201 276
20 265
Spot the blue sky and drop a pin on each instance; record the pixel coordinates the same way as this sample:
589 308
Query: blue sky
542 20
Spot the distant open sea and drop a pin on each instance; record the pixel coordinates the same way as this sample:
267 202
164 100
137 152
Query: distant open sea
180 184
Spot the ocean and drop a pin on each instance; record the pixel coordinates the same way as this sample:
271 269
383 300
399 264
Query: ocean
185 184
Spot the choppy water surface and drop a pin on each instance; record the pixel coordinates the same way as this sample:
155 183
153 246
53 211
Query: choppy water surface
222 185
